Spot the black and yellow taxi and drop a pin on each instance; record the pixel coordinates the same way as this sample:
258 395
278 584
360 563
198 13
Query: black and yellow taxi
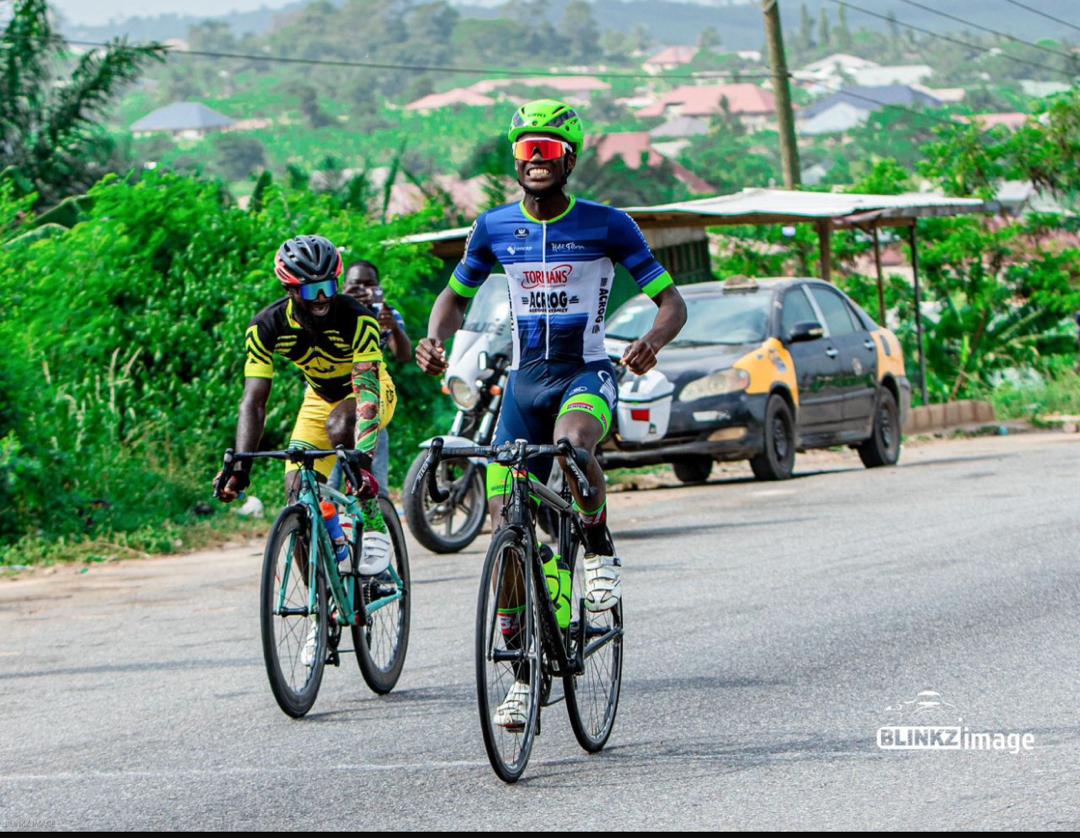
762 369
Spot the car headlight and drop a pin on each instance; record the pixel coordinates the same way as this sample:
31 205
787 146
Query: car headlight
717 384
463 395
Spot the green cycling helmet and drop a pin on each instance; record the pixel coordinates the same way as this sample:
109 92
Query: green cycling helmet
548 116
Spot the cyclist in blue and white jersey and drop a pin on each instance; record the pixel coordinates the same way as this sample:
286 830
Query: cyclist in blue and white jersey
559 254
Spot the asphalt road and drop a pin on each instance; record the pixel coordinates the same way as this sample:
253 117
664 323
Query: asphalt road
769 628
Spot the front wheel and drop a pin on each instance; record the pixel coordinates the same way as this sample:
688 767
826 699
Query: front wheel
777 459
508 655
293 638
452 525
381 644
883 446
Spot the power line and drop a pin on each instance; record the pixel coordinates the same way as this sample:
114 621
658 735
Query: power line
951 40
986 29
1044 14
425 68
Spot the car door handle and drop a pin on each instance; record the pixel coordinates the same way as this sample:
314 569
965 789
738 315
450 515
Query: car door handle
869 344
832 353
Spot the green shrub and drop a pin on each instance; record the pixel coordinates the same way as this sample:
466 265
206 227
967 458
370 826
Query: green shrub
124 349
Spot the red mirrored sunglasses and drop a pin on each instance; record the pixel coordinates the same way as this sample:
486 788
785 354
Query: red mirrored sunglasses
549 149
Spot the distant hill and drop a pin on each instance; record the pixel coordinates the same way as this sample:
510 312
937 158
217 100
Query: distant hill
668 22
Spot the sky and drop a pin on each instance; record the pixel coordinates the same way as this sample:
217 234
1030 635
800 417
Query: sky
101 11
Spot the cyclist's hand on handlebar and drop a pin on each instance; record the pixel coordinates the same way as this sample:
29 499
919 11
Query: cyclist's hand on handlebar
232 489
369 485
431 356
639 356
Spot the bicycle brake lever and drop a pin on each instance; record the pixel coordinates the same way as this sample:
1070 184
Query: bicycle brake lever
226 473
425 478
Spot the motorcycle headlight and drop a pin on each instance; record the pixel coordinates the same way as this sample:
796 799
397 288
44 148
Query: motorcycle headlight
716 384
462 393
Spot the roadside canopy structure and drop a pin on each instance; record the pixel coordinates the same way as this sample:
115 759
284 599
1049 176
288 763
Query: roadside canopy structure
671 228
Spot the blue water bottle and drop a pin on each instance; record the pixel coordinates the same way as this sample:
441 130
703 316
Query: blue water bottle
333 526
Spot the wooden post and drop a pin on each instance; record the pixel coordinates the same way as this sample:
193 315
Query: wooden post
824 231
785 117
880 277
918 313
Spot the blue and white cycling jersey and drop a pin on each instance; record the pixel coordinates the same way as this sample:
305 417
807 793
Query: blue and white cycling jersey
560 275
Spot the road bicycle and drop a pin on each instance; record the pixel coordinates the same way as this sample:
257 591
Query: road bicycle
305 590
586 655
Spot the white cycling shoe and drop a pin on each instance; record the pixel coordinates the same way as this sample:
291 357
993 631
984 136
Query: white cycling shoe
603 583
374 553
307 656
514 710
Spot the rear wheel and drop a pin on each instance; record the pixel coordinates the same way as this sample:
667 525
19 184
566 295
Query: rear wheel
503 660
693 469
592 698
883 446
777 459
453 524
285 618
381 644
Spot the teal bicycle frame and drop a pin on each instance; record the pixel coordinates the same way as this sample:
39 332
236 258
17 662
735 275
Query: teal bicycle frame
351 611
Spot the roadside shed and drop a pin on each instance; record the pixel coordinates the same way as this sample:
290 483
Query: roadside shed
677 234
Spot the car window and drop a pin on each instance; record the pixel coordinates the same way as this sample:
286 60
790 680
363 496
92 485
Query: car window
733 317
797 309
835 310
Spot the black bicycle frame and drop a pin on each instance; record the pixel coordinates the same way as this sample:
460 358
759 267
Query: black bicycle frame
519 515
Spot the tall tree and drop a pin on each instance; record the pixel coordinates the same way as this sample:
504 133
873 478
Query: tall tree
823 28
843 33
581 32
806 29
49 141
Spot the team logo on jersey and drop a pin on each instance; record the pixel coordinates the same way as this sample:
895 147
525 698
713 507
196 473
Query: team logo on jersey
563 247
607 386
559 275
521 233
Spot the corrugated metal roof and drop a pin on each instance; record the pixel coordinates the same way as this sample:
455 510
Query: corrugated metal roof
771 206
182 116
783 204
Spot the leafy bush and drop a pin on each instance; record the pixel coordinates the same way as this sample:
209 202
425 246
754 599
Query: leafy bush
124 339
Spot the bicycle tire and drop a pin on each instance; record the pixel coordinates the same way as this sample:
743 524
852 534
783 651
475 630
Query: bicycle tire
508 750
381 672
592 698
291 526
420 509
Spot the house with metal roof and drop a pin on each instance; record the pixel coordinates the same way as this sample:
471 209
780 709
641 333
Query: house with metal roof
843 110
752 105
184 120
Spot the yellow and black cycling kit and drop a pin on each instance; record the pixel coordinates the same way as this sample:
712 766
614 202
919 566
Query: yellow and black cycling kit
349 335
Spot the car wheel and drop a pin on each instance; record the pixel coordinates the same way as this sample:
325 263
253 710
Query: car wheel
883 446
777 459
693 469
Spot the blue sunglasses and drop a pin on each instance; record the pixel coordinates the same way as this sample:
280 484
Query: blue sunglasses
310 291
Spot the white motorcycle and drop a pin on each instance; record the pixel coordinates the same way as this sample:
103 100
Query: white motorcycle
478 367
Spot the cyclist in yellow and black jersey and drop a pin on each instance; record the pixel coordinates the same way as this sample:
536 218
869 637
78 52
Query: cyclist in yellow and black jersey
334 340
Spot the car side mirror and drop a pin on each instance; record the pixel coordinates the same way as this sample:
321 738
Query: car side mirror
805 330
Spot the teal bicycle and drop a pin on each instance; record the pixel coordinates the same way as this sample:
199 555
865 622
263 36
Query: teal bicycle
307 597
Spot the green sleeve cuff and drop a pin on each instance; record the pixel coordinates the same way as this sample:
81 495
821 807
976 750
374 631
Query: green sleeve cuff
657 285
461 289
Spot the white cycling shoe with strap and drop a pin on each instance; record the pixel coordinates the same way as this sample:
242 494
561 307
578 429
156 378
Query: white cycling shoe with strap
513 713
603 582
307 656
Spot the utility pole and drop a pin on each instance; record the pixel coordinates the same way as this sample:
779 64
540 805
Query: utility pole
789 151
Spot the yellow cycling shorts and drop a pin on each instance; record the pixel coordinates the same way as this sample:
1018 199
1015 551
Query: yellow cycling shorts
310 428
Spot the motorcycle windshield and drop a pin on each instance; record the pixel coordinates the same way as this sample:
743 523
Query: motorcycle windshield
489 311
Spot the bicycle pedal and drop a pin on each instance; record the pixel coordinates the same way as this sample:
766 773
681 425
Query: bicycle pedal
333 658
